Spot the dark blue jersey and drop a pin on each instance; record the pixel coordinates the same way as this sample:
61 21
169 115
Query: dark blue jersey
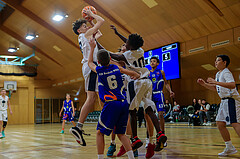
67 106
110 83
157 80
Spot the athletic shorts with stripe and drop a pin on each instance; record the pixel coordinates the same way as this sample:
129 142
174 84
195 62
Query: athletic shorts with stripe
158 99
140 90
114 116
229 111
68 116
90 77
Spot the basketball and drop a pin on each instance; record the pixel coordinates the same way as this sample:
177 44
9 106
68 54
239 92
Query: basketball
85 16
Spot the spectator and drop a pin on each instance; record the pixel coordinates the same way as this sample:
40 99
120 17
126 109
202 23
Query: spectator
196 106
176 110
205 110
168 108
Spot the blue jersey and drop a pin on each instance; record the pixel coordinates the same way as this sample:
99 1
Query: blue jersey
67 106
110 83
157 80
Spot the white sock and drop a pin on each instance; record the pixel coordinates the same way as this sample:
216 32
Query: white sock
113 142
80 125
101 156
229 144
130 154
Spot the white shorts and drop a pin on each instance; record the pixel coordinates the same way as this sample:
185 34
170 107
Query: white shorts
229 111
140 90
3 115
91 81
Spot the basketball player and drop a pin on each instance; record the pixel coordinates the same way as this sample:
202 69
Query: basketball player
140 89
158 79
69 112
229 110
4 104
84 33
111 92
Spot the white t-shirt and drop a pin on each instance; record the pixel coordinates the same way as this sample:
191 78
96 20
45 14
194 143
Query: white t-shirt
3 102
226 77
136 62
85 48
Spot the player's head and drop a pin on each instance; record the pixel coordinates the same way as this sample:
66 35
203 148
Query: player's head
68 96
222 61
103 57
80 26
3 91
134 42
154 62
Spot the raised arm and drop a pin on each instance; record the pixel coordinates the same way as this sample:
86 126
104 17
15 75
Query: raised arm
118 57
95 28
132 74
90 57
124 39
99 45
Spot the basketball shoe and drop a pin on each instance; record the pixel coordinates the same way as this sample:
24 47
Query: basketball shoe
78 134
121 152
150 150
160 140
111 150
136 143
228 151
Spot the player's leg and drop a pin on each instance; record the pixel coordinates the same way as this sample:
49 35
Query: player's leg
162 121
100 144
127 145
112 147
1 125
227 110
87 107
63 125
236 127
149 141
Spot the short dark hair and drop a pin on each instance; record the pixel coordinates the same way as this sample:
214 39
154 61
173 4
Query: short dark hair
225 58
77 24
135 41
103 57
204 100
154 57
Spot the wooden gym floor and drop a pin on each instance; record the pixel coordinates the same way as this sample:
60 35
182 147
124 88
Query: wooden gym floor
45 141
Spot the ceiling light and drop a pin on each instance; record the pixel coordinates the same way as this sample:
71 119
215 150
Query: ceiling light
12 49
75 98
59 17
31 36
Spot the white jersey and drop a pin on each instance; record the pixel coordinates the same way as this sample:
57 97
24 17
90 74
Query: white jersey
226 77
136 62
85 48
3 102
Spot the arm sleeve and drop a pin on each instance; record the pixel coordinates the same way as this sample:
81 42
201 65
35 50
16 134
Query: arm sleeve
228 77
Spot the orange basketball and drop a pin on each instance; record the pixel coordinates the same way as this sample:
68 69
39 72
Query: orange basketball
84 15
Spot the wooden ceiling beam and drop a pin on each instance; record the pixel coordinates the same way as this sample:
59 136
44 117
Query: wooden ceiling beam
106 14
214 7
22 40
16 4
5 13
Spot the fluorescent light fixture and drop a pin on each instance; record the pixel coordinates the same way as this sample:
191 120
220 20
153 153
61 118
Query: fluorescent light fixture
59 17
75 98
12 49
150 3
31 36
208 67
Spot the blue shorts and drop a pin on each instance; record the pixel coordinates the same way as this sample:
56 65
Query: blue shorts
68 116
114 116
158 99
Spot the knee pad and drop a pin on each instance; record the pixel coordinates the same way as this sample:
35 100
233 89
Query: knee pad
4 124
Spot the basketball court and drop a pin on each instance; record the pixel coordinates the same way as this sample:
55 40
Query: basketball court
40 62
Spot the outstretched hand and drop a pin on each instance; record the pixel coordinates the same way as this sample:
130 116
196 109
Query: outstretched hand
113 28
201 81
211 80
